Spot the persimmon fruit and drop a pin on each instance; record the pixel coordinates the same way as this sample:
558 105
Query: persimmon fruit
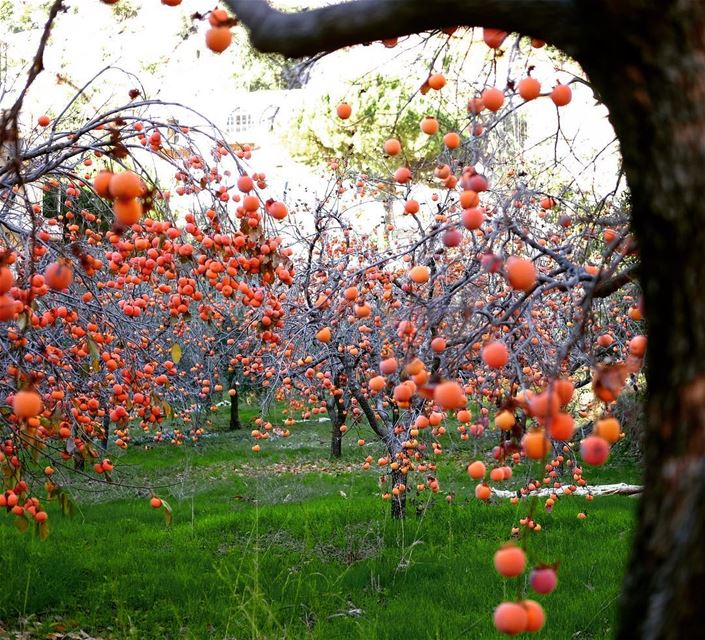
27 404
450 395
218 39
126 185
521 273
495 355
561 95
510 618
510 561
493 98
343 110
529 88
594 450
58 275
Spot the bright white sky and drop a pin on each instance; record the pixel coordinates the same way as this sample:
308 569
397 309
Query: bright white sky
88 37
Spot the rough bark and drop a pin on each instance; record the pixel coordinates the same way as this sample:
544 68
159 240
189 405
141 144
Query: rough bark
235 423
393 447
398 502
336 439
647 63
615 283
106 434
336 421
650 72
337 411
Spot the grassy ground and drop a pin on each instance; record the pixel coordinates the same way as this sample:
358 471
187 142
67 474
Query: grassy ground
290 545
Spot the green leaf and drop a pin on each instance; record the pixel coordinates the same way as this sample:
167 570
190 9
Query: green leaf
176 352
21 524
43 530
95 354
168 514
68 508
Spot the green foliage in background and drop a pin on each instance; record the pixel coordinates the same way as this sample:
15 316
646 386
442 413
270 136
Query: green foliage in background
380 111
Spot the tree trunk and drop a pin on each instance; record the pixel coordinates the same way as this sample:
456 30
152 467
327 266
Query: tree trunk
650 72
338 413
235 423
336 439
398 502
388 221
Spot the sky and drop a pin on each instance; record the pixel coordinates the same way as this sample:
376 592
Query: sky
150 52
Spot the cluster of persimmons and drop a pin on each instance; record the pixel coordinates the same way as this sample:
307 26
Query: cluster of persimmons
104 296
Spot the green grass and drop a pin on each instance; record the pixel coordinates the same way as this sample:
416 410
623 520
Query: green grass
289 545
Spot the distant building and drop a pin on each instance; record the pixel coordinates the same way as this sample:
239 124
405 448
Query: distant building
254 114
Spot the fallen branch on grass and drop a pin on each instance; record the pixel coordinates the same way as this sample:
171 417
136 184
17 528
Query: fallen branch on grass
619 489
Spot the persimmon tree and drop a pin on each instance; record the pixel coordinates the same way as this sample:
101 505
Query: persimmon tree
374 325
645 71
103 293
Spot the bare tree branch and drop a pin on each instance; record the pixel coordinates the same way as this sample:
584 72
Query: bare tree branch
616 282
305 33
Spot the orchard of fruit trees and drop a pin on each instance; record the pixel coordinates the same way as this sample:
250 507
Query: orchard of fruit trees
504 297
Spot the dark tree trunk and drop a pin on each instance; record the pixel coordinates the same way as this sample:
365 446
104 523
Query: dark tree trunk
337 411
650 71
235 423
398 502
336 439
391 442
